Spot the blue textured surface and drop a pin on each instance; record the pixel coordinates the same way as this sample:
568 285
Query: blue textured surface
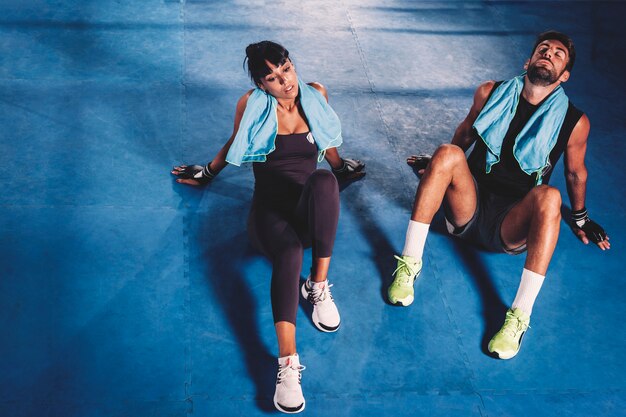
125 294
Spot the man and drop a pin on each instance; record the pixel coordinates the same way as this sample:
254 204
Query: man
498 197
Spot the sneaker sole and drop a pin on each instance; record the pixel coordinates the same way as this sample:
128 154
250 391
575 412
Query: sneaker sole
404 302
316 321
323 327
289 410
505 357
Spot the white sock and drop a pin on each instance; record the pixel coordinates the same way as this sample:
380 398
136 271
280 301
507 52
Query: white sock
528 290
283 360
415 239
314 284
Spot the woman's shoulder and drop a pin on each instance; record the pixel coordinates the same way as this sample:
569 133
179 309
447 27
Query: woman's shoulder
243 101
319 87
246 96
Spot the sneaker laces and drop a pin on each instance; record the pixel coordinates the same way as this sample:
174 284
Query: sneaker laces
404 266
513 325
288 370
318 294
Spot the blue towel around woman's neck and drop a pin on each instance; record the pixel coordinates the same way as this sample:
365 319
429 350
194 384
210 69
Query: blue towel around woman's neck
257 131
535 141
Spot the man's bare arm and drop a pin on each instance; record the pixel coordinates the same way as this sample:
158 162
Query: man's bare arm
576 179
464 135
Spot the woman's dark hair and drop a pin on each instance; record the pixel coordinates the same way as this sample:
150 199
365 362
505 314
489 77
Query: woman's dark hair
564 39
258 53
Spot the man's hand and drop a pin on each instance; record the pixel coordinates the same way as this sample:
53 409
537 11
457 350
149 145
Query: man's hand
419 163
194 174
589 231
351 169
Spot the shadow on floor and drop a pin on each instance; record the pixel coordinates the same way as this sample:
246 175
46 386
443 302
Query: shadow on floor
227 281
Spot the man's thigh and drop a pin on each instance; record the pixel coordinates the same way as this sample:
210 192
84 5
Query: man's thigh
461 198
516 224
484 229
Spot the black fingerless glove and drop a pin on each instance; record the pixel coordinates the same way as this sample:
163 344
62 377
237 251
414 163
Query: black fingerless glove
593 231
421 161
202 174
348 168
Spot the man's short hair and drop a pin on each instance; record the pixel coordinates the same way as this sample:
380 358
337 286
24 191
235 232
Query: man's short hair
564 39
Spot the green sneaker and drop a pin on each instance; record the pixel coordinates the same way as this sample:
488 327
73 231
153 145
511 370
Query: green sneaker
506 343
400 292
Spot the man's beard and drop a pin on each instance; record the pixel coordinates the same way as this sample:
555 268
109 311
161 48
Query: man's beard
541 76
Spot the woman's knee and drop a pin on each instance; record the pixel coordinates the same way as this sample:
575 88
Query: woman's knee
288 253
323 180
276 241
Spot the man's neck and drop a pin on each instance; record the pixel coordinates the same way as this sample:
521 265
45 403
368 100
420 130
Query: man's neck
535 94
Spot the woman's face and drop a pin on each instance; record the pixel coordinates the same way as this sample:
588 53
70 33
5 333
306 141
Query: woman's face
282 82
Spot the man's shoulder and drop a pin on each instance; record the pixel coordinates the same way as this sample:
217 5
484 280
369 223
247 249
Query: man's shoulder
483 94
573 113
486 89
571 107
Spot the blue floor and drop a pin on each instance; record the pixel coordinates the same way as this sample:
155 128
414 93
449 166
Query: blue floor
123 293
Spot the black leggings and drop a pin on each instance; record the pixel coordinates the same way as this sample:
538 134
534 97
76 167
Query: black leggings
282 232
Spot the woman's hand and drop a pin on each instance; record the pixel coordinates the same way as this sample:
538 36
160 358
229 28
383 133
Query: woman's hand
350 169
194 174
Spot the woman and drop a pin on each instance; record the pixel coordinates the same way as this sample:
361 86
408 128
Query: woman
282 126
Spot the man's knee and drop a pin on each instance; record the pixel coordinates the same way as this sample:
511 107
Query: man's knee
547 201
447 156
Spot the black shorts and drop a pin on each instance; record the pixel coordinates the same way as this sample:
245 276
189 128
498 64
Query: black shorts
484 227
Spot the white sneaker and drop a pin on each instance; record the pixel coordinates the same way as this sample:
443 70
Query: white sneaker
325 313
288 397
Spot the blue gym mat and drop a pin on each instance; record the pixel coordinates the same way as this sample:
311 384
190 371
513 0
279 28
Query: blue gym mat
123 293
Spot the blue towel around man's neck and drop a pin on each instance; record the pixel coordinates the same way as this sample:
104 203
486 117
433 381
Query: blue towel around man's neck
537 138
257 131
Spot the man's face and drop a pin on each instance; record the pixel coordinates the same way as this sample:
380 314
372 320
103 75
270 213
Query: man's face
547 64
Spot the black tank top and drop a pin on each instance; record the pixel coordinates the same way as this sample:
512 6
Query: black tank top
286 169
506 177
